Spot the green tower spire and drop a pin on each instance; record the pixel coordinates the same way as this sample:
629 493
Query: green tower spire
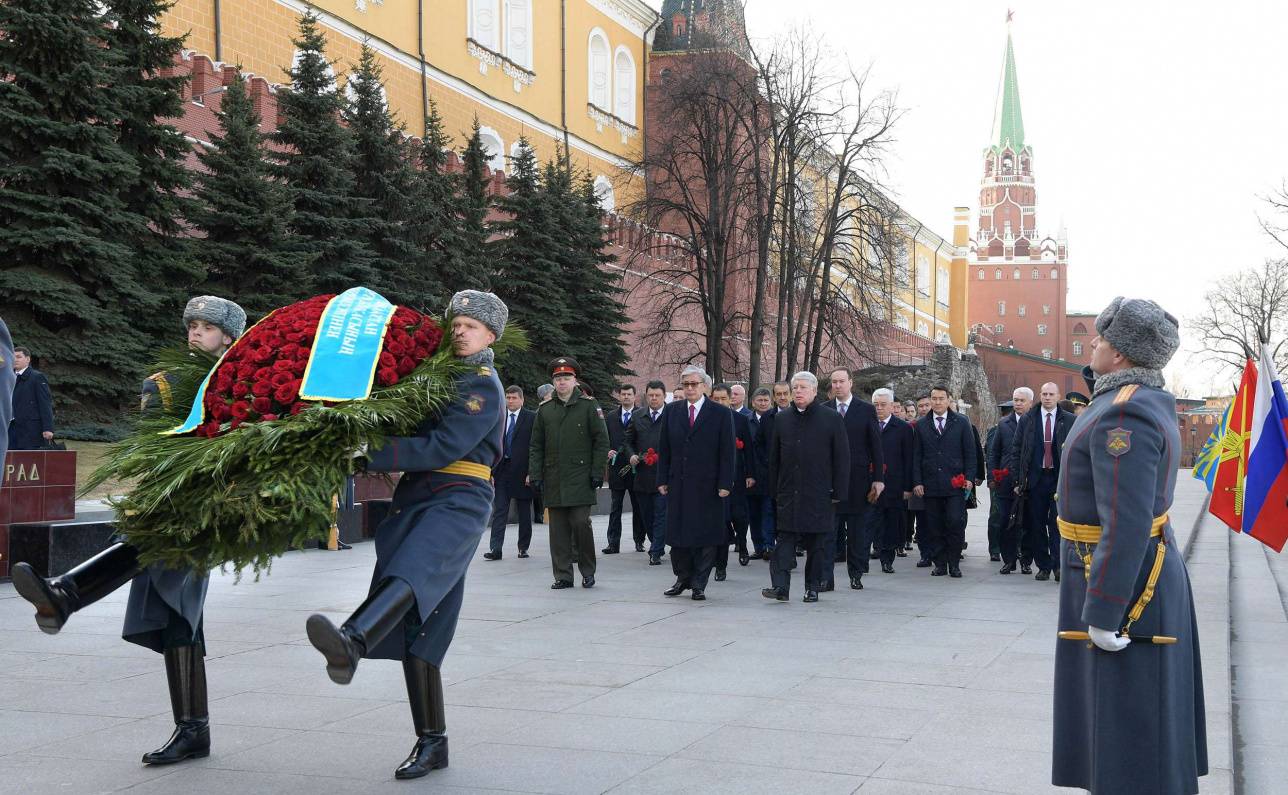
1008 121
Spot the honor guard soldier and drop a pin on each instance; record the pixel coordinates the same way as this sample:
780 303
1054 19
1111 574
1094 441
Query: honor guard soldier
1129 714
566 465
164 612
440 509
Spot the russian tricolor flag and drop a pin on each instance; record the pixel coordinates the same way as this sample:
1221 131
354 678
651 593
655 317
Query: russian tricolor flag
1265 495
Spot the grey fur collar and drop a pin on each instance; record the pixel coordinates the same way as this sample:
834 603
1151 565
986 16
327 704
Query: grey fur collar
1132 375
483 358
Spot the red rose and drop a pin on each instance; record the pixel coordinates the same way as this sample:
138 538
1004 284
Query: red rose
405 365
394 347
287 393
261 405
262 389
387 376
738 443
298 407
387 359
263 373
269 417
224 381
209 429
220 411
245 371
422 353
240 389
281 379
240 410
284 365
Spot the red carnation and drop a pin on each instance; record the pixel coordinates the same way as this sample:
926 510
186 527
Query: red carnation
1000 474
959 481
240 410
240 389
262 389
738 443
650 457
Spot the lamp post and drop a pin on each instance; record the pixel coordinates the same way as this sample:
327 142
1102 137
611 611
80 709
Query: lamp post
1194 436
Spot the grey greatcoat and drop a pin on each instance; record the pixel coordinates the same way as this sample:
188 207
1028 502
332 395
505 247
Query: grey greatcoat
1130 721
165 605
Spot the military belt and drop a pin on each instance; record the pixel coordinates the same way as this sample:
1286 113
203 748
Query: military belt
468 469
1090 533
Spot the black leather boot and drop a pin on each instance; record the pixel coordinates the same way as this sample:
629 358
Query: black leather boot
375 618
425 694
185 672
56 598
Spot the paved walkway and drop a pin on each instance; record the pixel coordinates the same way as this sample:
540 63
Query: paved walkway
914 685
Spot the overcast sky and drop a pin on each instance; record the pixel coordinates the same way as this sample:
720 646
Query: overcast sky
1156 126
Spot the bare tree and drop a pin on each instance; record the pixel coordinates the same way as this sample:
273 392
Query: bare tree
1241 313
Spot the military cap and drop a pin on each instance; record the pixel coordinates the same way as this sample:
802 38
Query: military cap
1006 404
564 365
486 308
1077 398
218 312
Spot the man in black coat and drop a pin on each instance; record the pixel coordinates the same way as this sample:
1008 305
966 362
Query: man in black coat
1000 526
7 378
31 425
695 471
809 467
737 515
643 439
943 451
1034 462
760 504
887 516
618 419
867 480
510 476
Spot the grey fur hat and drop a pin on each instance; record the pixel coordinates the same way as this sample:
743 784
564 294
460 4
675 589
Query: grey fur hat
1141 330
486 308
218 312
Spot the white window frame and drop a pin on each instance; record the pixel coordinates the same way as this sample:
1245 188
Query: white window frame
923 328
1021 310
1037 274
1016 274
1055 273
999 328
1047 353
923 274
1042 329
524 58
997 274
943 284
981 275
1077 347
624 86
478 33
496 159
1046 309
607 98
1001 309
604 193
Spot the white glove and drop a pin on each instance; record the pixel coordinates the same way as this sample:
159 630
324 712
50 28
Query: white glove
1107 639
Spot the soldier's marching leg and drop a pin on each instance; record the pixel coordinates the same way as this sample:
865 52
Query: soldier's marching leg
56 598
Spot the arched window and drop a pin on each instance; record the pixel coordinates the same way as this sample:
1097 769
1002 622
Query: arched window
1021 310
494 147
1036 275
518 32
485 23
923 328
997 274
999 328
981 274
624 85
1079 328
1046 309
604 193
600 84
1001 309
1077 348
1016 274
1055 273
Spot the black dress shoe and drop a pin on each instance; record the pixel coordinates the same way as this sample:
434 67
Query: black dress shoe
1026 568
430 753
1057 575
743 558
779 594
609 551
1043 575
588 582
1007 568
523 553
652 561
923 564
494 554
856 583
939 571
720 575
810 596
676 590
994 557
954 571
887 568
639 547
559 585
900 553
699 595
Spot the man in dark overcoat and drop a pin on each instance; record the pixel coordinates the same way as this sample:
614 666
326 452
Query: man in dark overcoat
31 424
566 465
886 517
867 480
617 419
510 476
1002 490
1034 462
737 512
696 469
1129 714
944 449
809 466
644 434
423 549
165 607
7 378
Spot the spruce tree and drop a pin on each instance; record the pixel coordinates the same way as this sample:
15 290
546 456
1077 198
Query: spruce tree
383 176
476 203
244 214
147 95
528 275
595 330
71 289
434 220
315 166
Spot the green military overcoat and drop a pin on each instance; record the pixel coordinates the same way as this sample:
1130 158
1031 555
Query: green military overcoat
569 447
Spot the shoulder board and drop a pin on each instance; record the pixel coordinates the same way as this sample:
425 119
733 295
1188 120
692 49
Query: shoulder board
1126 393
156 377
485 370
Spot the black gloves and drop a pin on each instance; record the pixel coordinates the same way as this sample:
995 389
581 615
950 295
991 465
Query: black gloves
535 485
595 483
